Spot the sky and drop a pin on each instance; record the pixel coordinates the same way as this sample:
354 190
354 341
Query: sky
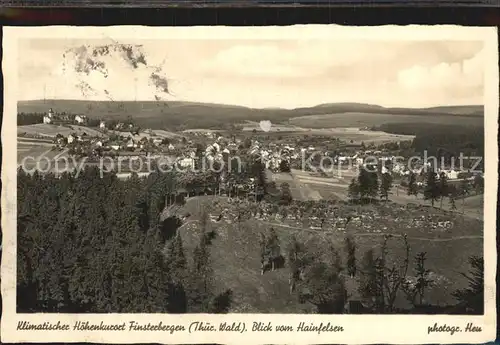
263 73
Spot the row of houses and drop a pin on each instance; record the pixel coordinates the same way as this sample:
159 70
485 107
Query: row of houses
52 118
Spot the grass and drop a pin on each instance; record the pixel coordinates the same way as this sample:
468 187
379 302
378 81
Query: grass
50 131
236 262
360 119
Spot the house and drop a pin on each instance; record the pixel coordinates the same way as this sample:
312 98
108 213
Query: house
47 119
170 147
157 141
131 143
102 125
450 174
186 162
71 138
80 119
119 125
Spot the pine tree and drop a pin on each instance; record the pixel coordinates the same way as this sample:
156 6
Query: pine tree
369 287
201 277
431 191
385 186
273 248
368 182
443 187
353 190
422 274
350 248
472 297
412 184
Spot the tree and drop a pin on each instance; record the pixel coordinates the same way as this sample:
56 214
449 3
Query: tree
479 184
431 191
201 272
385 186
412 184
414 289
273 248
472 297
353 190
297 261
369 280
350 247
285 166
368 182
443 187
286 194
324 288
452 195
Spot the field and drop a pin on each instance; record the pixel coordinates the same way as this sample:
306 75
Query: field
359 119
50 131
235 251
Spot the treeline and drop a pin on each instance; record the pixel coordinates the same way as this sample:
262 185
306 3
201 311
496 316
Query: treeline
441 140
371 183
24 119
101 245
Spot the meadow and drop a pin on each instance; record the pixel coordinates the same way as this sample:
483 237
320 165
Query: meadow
360 119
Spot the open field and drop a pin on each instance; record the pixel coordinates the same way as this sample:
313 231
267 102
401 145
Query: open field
49 130
235 252
360 119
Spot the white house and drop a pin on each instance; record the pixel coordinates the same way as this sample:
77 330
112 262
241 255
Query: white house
131 143
71 138
170 147
102 125
186 162
451 174
80 119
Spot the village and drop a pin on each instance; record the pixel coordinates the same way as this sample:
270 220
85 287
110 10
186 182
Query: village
323 156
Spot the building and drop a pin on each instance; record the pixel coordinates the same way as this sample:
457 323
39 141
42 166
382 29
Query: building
102 125
186 163
80 119
49 117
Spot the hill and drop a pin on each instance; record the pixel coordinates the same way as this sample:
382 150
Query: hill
235 251
185 115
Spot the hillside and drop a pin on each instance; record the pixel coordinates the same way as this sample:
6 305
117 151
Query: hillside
235 252
185 115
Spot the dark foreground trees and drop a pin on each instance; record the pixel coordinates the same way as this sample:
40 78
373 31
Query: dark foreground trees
92 244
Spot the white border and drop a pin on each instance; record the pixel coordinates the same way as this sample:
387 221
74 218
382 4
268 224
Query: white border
393 329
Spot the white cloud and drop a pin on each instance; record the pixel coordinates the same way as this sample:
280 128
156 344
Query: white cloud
464 74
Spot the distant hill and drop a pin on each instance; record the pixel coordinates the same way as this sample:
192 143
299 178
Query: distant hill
185 115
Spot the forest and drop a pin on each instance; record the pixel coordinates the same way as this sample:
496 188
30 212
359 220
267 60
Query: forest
441 140
97 245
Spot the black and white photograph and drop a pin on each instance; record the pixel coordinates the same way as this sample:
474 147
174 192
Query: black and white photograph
247 174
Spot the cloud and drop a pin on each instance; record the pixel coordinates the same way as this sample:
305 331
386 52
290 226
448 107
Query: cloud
468 73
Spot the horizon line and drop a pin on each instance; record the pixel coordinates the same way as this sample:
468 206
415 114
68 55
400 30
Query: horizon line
247 107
